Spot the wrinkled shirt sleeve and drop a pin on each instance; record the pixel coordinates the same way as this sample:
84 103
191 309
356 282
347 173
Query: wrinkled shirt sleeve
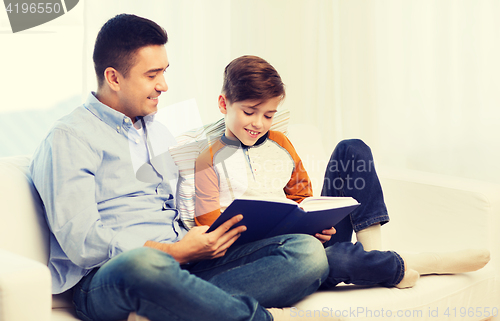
66 183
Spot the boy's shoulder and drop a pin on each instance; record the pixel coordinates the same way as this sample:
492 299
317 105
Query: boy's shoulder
208 151
274 134
279 137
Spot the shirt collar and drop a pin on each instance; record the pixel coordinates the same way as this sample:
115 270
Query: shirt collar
111 117
232 142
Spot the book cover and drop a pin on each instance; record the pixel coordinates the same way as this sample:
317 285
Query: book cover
268 218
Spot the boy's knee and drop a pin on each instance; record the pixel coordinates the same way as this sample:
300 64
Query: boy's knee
354 146
309 253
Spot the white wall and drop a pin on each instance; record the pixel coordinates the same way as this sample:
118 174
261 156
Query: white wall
416 79
420 83
42 65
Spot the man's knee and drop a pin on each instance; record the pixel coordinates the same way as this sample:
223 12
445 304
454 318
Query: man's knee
144 267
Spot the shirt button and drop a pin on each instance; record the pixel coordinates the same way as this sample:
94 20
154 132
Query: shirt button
137 141
117 128
126 120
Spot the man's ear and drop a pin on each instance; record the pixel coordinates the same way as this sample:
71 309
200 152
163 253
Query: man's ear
111 76
223 104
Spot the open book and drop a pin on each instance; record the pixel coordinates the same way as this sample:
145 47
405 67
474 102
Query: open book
268 218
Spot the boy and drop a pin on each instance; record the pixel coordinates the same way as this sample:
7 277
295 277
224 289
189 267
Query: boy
251 160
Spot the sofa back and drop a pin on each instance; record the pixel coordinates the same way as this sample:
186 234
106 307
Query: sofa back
308 143
23 229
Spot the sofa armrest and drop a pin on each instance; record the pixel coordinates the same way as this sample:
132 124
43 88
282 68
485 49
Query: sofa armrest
433 212
25 289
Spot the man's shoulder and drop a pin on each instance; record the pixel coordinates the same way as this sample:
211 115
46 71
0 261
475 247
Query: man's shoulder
77 126
72 120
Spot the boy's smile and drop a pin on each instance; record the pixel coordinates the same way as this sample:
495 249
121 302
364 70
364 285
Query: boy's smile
248 120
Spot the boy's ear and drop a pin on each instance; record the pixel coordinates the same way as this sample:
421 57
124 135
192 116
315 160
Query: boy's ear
111 78
223 104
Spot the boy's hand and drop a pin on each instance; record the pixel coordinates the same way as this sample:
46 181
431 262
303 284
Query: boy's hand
326 235
198 245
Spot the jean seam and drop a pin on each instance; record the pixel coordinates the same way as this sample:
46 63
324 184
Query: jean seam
401 269
122 289
382 219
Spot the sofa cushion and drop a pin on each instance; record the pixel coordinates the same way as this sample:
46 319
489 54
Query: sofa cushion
466 296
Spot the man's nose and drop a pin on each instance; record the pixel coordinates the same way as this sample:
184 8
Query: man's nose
162 84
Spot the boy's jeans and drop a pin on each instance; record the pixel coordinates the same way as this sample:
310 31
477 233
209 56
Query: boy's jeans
351 172
274 272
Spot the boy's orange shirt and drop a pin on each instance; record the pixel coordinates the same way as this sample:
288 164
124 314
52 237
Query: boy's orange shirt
226 170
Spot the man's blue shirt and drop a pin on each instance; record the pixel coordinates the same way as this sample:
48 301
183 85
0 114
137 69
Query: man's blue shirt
107 187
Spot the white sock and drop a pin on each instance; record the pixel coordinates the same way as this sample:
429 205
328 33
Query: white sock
409 280
370 237
448 262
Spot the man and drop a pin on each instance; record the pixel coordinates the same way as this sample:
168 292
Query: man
116 238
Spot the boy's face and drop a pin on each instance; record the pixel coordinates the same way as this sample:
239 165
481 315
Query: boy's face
248 120
139 90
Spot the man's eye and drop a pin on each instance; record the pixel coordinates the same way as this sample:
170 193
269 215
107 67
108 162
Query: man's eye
152 77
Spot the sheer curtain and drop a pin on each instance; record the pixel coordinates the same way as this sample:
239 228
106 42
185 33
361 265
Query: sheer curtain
419 83
415 79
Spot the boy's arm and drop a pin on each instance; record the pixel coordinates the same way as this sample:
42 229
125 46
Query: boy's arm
299 186
207 201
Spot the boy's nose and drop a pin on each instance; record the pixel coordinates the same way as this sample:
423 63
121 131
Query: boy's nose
257 123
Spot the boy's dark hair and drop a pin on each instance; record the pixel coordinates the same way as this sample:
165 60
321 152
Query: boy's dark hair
251 77
119 39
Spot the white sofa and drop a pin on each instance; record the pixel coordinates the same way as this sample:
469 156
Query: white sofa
428 212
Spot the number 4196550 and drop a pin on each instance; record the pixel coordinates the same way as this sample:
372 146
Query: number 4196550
34 8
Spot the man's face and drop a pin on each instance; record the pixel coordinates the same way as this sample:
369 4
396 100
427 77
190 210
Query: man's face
248 120
140 89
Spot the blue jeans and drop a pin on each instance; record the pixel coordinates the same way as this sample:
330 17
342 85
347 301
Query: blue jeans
273 272
351 172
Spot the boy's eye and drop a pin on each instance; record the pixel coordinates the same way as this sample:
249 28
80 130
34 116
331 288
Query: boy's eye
248 114
268 117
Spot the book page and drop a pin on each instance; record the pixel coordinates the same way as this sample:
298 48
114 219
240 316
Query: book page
269 199
319 203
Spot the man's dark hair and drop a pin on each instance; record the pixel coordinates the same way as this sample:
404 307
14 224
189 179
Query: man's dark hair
120 38
251 78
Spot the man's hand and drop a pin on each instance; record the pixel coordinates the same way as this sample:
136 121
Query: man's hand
326 235
198 245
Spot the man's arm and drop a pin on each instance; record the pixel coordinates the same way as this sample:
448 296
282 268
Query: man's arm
198 245
63 171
